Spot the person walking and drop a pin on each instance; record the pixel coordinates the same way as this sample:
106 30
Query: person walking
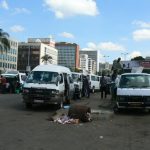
103 86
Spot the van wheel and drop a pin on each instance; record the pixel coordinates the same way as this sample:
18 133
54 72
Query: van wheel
61 104
93 90
116 109
80 95
28 105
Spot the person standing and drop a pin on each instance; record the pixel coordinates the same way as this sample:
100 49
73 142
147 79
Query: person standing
103 86
3 84
117 67
86 87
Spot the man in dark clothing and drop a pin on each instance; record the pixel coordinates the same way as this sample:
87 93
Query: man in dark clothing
103 86
86 87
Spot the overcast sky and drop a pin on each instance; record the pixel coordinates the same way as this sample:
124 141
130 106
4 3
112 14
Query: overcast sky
116 28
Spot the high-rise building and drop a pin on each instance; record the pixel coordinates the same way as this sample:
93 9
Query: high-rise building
29 54
93 54
8 61
68 54
91 66
84 62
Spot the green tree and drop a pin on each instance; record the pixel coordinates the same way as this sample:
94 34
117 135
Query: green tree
138 58
46 58
4 41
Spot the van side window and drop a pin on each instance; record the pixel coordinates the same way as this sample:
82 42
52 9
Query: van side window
61 78
93 78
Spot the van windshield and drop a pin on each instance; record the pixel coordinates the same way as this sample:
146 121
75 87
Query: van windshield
134 81
42 77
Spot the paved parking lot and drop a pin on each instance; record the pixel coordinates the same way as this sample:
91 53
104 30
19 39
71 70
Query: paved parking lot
23 129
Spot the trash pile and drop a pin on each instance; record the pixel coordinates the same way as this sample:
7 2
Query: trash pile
75 115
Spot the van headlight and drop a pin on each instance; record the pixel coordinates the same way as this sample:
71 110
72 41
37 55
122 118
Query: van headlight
148 99
76 86
121 98
25 90
55 92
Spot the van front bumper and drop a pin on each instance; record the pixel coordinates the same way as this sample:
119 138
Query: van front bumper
46 96
133 102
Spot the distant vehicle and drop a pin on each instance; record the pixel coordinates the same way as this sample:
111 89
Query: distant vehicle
133 91
49 84
94 82
15 76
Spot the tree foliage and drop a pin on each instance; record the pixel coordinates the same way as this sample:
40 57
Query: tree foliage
138 58
46 58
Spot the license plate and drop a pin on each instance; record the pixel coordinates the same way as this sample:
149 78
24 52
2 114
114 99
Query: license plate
38 101
135 104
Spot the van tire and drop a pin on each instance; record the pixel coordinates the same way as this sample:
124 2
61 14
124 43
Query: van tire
80 95
93 89
116 109
28 105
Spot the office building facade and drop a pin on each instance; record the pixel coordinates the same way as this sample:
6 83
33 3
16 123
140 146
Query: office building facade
68 54
84 62
8 61
29 55
93 54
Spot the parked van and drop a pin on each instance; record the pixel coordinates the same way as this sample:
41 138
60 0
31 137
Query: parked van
133 91
14 77
49 84
78 83
94 81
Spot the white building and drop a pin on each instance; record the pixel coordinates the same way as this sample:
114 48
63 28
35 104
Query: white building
91 66
93 54
84 61
8 61
29 54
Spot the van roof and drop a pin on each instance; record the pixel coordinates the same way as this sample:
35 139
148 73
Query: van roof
135 74
52 67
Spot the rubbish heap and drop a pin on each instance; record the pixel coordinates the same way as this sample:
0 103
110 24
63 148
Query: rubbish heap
75 115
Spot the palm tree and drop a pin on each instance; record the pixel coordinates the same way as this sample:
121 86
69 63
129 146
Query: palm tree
46 58
4 41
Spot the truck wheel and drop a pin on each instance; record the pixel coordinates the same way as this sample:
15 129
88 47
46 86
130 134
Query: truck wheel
28 105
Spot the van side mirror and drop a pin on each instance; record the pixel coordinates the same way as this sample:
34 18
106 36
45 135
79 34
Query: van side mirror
58 79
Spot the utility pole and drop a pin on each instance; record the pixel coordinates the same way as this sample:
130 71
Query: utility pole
125 54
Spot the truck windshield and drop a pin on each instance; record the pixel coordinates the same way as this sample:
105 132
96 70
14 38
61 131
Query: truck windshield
134 81
42 77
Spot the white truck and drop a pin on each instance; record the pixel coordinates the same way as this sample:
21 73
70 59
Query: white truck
133 91
49 84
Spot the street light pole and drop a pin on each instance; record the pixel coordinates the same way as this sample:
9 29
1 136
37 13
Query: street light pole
28 68
124 54
105 56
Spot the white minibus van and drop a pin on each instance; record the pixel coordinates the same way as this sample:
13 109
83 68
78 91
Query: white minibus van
49 84
94 82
